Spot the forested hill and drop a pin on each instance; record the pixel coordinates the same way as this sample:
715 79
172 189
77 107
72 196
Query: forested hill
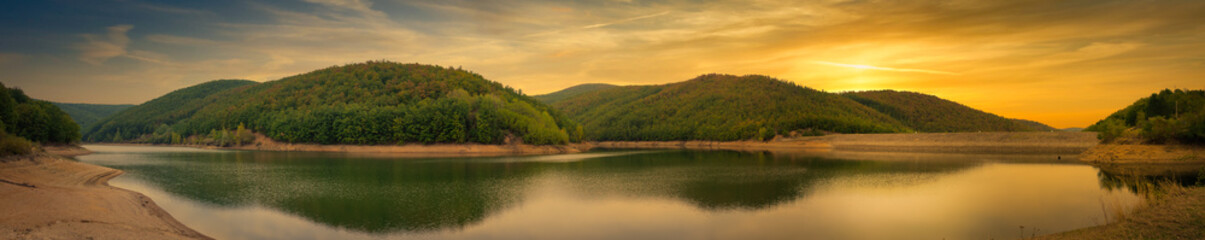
720 107
928 113
166 110
24 121
365 103
1036 126
552 98
1168 115
86 114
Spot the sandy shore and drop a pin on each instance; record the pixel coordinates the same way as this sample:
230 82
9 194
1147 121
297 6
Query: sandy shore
1138 153
1061 143
992 142
988 142
66 150
1139 160
47 197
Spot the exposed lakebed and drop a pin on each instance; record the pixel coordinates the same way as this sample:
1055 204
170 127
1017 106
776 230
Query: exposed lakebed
616 194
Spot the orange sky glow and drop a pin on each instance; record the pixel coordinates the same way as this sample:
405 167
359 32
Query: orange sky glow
1063 63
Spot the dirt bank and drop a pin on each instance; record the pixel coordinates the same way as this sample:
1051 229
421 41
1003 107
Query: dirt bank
46 197
717 145
263 143
992 142
988 142
66 150
1137 153
1147 160
1179 215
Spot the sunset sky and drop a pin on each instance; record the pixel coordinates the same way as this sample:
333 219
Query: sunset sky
1064 63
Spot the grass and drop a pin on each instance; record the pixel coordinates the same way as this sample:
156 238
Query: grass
14 145
1173 212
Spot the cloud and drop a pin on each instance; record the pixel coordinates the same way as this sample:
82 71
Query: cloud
624 20
179 40
97 48
173 10
1096 50
884 68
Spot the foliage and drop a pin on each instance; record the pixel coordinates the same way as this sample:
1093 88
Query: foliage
1110 130
165 110
1034 125
1163 116
87 114
365 103
928 113
35 120
14 145
719 107
554 97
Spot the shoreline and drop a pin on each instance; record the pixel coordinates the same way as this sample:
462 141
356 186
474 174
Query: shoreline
989 143
1139 160
1071 143
45 196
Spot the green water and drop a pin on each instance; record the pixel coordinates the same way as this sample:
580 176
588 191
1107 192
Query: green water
616 195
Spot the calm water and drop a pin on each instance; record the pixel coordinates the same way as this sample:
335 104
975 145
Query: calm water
616 195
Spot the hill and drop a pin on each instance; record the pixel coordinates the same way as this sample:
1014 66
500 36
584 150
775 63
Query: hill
162 111
1035 126
1166 115
23 119
720 107
364 103
928 113
86 114
573 91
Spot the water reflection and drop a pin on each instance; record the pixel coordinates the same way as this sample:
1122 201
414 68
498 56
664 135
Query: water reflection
615 194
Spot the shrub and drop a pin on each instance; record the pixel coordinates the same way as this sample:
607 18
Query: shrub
14 145
1110 129
1160 129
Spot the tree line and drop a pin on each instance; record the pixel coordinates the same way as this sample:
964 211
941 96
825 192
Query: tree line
1166 116
24 121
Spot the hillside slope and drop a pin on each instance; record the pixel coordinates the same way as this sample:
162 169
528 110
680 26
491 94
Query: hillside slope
1166 115
364 103
86 114
162 111
24 119
719 107
928 113
552 98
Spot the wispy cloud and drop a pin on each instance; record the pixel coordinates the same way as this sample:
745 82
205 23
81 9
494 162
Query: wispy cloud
97 48
624 20
885 68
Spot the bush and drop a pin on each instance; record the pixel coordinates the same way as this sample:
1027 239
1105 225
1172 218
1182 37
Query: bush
1160 129
1194 128
1110 129
14 145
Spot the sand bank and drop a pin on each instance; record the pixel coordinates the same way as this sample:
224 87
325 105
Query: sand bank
46 197
992 142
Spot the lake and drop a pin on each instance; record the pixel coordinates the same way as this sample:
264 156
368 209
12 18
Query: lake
618 194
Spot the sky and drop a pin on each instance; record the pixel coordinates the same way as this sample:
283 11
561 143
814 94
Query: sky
1063 63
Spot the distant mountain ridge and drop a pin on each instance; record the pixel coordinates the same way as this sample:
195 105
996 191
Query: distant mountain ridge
573 91
720 107
85 114
363 103
928 113
393 103
653 113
